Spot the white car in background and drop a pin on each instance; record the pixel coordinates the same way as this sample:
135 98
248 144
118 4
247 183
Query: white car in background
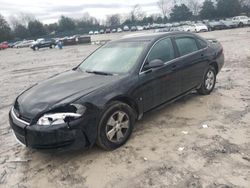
24 44
139 28
187 28
125 28
96 32
119 30
200 27
241 20
91 32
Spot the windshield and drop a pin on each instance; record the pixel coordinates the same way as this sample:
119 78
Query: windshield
115 58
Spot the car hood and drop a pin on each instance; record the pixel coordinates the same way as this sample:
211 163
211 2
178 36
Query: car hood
62 88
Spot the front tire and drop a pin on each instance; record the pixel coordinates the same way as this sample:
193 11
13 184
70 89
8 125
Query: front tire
208 82
115 126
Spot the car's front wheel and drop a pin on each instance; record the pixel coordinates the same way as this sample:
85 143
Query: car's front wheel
208 82
115 126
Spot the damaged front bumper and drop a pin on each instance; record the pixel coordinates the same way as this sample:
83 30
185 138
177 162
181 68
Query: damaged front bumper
63 136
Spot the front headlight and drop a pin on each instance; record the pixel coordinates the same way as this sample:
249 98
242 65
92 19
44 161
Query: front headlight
74 111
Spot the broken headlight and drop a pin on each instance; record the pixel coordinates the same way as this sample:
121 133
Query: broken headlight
62 115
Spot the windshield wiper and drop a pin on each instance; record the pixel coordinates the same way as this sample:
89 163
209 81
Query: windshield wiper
99 72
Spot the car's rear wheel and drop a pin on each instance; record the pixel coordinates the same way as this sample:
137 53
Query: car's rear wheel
209 81
115 126
52 46
36 48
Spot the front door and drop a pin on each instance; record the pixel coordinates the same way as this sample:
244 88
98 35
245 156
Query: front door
160 84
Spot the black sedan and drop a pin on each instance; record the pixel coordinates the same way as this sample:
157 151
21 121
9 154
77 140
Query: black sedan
100 100
43 43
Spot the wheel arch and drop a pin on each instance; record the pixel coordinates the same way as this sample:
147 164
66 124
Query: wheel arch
129 101
215 65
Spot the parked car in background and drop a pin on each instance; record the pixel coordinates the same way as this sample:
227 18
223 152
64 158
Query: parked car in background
96 32
108 30
172 29
24 44
3 45
176 24
200 27
102 31
125 28
74 40
161 30
43 43
187 28
114 31
119 30
133 28
146 27
100 100
241 21
139 28
91 32
229 24
215 25
11 44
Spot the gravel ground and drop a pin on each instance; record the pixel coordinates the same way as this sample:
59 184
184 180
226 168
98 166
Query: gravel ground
168 148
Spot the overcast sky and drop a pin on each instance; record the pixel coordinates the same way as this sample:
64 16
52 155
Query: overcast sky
48 11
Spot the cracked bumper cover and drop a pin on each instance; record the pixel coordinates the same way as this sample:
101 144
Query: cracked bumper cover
63 136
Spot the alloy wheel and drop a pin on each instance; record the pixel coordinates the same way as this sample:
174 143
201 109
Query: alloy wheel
117 127
210 79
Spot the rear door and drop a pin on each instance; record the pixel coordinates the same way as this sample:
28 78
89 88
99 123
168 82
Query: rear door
193 61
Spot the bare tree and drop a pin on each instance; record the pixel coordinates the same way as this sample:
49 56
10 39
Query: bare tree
245 2
165 7
194 6
113 20
21 19
26 18
136 13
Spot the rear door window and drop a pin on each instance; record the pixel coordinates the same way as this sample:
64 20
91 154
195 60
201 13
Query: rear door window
186 45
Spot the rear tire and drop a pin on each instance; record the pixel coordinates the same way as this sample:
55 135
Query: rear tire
115 126
208 82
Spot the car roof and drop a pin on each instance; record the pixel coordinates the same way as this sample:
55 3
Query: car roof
150 36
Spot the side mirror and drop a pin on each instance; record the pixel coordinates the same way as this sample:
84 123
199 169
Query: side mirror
156 63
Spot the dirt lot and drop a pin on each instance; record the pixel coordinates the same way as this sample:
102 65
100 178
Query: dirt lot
168 148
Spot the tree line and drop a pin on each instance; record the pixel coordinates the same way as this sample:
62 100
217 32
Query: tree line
27 26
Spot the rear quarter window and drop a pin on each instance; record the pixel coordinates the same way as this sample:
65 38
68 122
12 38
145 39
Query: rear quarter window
186 45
